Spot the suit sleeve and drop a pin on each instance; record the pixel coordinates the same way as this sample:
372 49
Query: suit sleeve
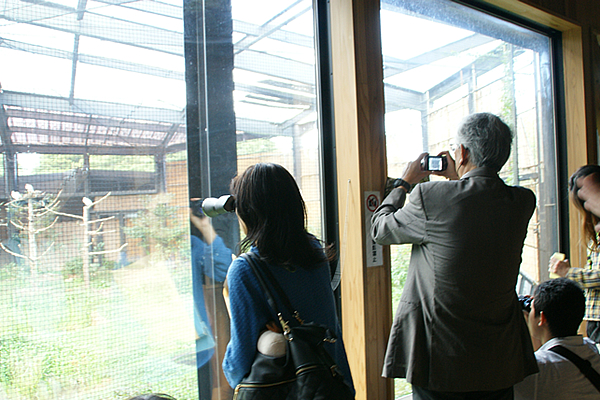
396 223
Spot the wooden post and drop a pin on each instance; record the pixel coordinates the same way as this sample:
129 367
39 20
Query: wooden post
362 167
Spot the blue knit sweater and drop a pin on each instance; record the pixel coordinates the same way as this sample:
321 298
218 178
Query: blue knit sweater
309 292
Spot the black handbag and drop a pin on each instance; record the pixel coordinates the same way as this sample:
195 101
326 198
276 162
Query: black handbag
307 371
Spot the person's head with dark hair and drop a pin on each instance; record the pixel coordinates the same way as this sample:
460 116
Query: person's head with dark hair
557 309
272 213
487 139
152 396
589 220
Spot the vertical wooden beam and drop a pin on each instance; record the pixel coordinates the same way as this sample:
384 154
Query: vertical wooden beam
577 151
361 165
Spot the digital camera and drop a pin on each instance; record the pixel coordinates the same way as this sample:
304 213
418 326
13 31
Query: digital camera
434 163
525 302
196 207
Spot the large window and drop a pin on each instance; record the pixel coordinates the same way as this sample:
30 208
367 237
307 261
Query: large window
444 61
112 116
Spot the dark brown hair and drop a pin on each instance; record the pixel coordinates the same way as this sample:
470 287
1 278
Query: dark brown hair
269 203
589 219
152 396
563 302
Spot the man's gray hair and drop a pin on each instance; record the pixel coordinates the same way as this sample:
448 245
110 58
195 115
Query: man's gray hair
487 138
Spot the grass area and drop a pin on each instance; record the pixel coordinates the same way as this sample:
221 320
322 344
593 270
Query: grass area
131 332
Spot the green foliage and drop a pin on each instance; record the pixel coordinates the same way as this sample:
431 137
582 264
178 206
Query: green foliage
10 271
78 305
30 367
255 146
157 227
74 268
401 388
18 211
400 261
53 163
177 156
61 340
122 163
29 228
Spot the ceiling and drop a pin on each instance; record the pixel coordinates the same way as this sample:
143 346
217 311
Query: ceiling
107 76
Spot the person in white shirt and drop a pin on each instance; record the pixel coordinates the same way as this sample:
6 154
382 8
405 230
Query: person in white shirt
556 312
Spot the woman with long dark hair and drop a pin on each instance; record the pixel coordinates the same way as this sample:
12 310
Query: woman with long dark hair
588 277
272 215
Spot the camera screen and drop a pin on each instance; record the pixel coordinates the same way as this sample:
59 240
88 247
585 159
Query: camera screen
435 164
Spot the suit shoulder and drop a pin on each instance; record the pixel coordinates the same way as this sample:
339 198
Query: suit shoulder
526 192
431 185
524 196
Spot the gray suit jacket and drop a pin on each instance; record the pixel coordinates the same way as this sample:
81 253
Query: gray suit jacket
459 327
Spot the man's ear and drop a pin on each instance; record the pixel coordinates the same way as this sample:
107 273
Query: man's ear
543 321
464 156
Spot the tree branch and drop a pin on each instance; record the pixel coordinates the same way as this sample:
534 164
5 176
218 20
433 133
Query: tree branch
101 220
100 199
44 253
65 214
46 228
13 253
17 225
93 253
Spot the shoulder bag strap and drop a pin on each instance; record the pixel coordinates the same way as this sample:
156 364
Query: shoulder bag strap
261 279
259 264
584 365
264 274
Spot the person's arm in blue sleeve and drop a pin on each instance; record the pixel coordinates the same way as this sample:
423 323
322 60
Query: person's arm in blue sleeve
221 260
249 313
216 255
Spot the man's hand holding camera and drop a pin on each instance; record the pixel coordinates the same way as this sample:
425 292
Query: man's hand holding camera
419 169
450 172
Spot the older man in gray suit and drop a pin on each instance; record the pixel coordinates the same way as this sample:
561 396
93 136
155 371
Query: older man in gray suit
459 332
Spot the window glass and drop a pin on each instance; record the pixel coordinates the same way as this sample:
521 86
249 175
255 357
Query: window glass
459 61
115 115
